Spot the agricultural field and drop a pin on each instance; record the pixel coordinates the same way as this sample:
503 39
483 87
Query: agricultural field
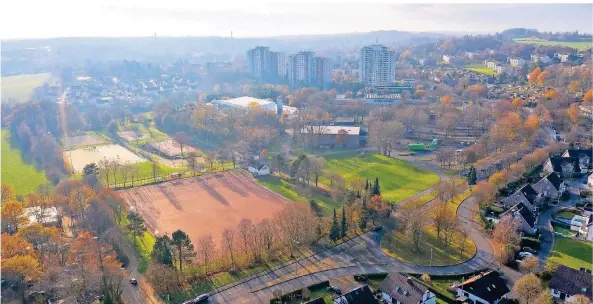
18 88
398 179
25 178
83 140
83 156
580 46
169 148
572 253
480 68
202 205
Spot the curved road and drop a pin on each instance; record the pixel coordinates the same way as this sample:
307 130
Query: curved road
357 256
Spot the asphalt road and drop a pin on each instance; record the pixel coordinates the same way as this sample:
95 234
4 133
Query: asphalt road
358 256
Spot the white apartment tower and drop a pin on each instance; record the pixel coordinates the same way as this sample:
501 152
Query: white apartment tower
279 65
302 69
259 62
377 65
324 72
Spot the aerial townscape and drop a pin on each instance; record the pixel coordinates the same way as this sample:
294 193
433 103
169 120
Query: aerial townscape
403 167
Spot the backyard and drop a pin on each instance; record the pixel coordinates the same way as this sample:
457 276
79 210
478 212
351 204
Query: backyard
572 253
18 88
294 192
480 68
581 46
436 252
25 178
398 179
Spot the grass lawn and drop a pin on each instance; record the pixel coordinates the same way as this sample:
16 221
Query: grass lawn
563 230
18 88
572 253
399 245
566 214
296 193
25 178
575 45
142 243
480 68
398 179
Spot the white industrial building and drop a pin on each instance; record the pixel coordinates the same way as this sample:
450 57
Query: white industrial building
244 102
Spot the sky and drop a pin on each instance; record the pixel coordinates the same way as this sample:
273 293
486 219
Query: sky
25 19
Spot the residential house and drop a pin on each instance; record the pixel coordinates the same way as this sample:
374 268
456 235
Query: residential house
399 289
40 215
488 288
527 219
526 195
550 187
331 136
540 58
516 62
447 58
489 63
260 170
359 295
562 57
584 155
470 55
568 282
565 167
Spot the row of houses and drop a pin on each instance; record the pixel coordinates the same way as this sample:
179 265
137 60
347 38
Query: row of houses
488 288
523 203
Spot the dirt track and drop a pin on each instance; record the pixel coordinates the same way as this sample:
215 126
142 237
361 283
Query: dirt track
202 205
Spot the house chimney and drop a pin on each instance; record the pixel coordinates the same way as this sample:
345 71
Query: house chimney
409 279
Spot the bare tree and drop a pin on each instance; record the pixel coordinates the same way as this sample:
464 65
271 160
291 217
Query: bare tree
134 171
265 229
192 162
155 169
181 140
125 170
317 163
222 156
446 189
296 226
105 170
245 230
206 250
441 216
114 164
413 219
228 237
210 157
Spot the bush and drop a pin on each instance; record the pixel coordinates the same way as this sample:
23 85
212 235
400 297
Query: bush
530 242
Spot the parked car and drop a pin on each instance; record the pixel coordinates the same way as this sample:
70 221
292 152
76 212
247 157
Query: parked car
334 289
523 255
529 249
361 278
133 281
199 299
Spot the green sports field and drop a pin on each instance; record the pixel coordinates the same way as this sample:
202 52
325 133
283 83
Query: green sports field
18 88
25 178
398 179
581 46
480 68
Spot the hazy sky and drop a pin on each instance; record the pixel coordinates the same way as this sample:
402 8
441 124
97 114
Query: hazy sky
67 18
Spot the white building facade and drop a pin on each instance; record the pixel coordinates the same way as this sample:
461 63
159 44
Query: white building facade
377 65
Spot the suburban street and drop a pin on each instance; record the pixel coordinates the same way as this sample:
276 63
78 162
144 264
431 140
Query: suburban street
358 256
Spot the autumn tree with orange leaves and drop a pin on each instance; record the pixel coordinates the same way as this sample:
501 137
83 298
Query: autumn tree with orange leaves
533 76
588 96
447 99
13 216
531 126
574 112
541 78
551 94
